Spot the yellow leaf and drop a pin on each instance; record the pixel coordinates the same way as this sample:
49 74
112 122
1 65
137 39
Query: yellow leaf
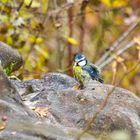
119 3
114 3
34 23
72 41
9 40
44 5
106 2
43 51
34 4
125 82
32 38
4 1
38 40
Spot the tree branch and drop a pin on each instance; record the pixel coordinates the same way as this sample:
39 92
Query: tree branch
70 25
82 34
118 42
119 52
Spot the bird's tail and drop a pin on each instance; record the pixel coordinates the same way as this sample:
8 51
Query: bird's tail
100 80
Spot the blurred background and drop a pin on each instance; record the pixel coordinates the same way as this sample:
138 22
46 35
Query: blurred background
48 33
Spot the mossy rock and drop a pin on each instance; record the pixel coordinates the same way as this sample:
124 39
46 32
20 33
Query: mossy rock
10 59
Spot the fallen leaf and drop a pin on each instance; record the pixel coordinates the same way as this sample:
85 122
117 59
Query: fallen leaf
41 111
2 125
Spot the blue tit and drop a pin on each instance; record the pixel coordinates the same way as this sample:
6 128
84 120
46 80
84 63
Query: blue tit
82 70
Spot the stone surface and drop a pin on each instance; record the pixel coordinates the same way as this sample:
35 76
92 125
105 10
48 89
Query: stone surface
18 122
68 110
74 108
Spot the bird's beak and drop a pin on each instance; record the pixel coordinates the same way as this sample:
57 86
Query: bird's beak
75 64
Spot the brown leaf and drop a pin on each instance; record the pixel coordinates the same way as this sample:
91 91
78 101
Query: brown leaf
2 125
118 58
137 40
41 111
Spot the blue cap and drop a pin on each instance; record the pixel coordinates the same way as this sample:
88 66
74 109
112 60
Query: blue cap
78 57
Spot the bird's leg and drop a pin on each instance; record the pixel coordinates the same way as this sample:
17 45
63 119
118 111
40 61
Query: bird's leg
78 86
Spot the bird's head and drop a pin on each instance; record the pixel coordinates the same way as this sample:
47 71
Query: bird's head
80 60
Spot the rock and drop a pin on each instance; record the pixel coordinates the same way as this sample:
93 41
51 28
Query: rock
29 86
58 81
69 110
9 57
19 122
74 108
28 130
55 81
10 100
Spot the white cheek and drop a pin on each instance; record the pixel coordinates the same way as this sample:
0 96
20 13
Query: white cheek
82 63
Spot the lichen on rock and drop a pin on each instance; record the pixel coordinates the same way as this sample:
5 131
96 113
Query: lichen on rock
10 59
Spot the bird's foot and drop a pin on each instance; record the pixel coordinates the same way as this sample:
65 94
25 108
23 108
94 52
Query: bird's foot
77 86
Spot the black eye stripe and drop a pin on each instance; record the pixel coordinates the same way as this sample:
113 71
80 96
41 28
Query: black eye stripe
81 61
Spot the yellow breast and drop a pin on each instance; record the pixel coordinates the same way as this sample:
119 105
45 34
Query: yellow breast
77 74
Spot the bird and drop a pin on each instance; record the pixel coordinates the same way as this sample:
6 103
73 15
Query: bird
83 69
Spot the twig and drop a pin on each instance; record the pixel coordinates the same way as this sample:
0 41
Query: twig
20 5
119 52
28 6
57 25
118 42
82 34
114 70
102 106
70 24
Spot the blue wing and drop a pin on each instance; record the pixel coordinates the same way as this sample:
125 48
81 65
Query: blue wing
93 72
